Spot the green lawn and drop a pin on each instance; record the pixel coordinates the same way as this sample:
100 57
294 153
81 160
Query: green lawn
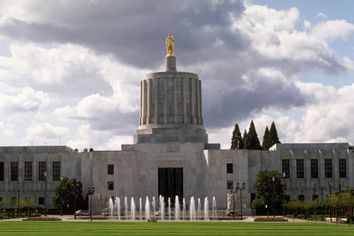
164 228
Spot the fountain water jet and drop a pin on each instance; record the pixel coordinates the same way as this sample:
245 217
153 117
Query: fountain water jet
192 209
132 208
177 208
213 208
141 208
110 207
117 204
147 208
162 207
169 208
199 207
126 207
184 209
206 208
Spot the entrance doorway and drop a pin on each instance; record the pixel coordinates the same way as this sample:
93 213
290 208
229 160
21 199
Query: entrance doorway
171 183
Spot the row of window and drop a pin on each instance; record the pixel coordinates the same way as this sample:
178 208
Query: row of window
314 168
14 200
28 171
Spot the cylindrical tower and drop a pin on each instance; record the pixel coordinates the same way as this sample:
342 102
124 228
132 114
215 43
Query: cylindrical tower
170 106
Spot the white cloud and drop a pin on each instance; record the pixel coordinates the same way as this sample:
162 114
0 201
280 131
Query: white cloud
26 100
333 29
45 131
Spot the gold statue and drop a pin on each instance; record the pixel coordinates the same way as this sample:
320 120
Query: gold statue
170 45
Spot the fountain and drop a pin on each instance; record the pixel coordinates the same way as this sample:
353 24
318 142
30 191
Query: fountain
192 212
169 208
147 208
213 208
206 208
126 207
132 208
162 207
110 207
141 208
153 203
177 208
184 209
199 206
117 204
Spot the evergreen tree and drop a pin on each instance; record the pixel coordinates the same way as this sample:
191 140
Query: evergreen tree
266 144
244 139
236 141
273 135
252 141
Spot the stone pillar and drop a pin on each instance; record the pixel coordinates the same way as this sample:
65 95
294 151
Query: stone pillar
171 63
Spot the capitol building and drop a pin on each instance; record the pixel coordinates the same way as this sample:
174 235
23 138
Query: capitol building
171 156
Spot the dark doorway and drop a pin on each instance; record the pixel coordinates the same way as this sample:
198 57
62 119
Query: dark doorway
171 183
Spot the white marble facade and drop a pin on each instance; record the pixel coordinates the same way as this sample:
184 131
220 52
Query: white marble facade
171 135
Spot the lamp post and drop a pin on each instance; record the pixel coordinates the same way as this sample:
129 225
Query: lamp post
330 188
45 193
76 186
314 191
273 181
90 191
18 197
321 192
240 188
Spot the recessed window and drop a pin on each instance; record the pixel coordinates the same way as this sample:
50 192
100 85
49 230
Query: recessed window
2 174
300 170
110 185
28 171
42 170
110 169
56 170
314 197
328 168
301 197
229 168
342 168
229 184
285 163
314 168
14 171
41 201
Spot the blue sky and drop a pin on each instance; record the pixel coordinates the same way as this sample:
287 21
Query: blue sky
70 70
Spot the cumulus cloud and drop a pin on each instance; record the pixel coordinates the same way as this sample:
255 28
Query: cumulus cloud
45 130
26 100
89 60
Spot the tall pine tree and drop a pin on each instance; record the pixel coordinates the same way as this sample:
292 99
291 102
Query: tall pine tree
266 144
236 141
252 138
273 135
244 139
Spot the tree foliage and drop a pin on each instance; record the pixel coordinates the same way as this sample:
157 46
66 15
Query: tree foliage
67 194
268 186
273 133
252 141
236 141
266 144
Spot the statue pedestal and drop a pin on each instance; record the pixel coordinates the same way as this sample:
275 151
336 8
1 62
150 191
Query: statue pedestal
171 63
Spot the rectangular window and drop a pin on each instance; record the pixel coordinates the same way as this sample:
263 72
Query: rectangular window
110 185
301 197
328 168
41 201
229 168
2 171
300 170
42 170
285 165
14 171
1 200
342 168
110 169
314 197
28 171
314 168
56 170
229 184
